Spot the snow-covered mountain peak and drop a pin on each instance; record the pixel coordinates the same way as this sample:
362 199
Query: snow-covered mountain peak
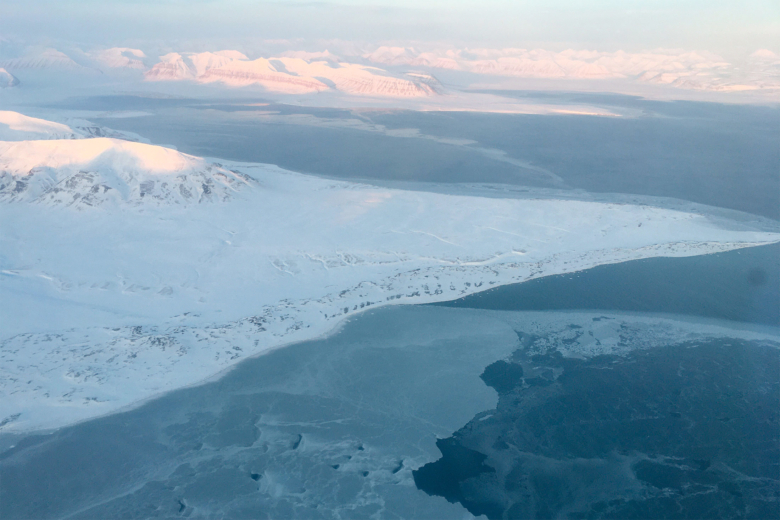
204 61
190 65
392 55
90 172
262 72
90 153
358 79
46 59
121 58
291 73
19 127
170 68
232 54
325 55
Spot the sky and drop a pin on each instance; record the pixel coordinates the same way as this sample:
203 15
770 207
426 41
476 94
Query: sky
728 27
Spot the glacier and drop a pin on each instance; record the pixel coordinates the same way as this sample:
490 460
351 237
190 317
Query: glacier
109 303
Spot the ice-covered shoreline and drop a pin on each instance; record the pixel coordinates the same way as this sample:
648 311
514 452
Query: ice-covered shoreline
103 361
108 306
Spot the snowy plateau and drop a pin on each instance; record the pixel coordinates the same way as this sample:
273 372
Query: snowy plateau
129 269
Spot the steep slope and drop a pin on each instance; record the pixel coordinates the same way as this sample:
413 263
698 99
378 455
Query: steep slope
239 73
294 74
204 61
170 68
90 172
358 79
189 65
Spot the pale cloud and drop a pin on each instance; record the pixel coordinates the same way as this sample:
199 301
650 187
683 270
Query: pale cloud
722 26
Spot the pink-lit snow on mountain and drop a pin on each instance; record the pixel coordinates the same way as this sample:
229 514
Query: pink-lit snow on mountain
358 79
684 69
240 73
170 68
293 74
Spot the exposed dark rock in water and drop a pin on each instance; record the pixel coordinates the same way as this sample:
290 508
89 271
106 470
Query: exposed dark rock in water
457 465
503 376
685 431
297 442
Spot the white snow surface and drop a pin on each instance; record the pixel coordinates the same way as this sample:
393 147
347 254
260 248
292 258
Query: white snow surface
190 65
19 127
121 58
359 79
90 172
113 304
665 72
289 75
696 70
241 73
45 59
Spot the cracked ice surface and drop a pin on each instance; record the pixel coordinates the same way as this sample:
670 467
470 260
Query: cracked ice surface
108 306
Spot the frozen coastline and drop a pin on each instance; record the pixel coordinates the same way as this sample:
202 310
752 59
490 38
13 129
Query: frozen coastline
110 305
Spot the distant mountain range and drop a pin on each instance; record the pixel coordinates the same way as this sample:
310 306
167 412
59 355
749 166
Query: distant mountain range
411 72
692 70
287 75
46 59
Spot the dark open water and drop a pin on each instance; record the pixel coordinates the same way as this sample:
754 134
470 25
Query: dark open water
709 153
481 405
739 285
337 427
